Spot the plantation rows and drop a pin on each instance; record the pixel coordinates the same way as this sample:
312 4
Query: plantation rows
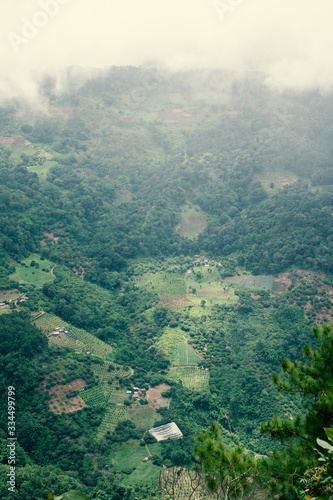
82 342
111 418
192 378
104 375
96 395
186 356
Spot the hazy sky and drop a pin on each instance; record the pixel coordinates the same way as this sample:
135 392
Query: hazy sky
290 40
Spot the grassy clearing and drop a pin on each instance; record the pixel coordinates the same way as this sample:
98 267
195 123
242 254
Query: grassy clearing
83 341
131 455
193 378
43 170
253 282
33 275
144 417
164 283
4 311
273 181
7 295
192 222
205 279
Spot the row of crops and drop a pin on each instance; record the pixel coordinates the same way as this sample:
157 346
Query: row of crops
192 377
186 355
113 415
81 341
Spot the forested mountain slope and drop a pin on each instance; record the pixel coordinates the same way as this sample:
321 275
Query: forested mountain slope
179 234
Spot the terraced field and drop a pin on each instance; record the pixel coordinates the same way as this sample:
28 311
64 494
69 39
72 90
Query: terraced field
96 395
113 415
82 342
192 378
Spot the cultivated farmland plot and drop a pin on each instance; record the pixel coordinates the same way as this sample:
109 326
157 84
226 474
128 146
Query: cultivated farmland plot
95 396
174 343
192 378
113 415
186 355
82 341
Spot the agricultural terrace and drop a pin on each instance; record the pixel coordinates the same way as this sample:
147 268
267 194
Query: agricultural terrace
174 344
113 415
33 270
192 377
82 341
192 222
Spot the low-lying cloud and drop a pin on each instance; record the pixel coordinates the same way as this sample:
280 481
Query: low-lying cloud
291 42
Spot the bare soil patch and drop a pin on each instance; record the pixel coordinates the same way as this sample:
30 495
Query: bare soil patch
17 140
126 193
282 282
154 396
59 402
174 115
51 236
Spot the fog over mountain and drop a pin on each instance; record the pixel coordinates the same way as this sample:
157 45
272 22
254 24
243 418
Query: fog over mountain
291 42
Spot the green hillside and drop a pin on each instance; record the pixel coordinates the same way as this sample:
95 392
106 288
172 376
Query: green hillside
156 266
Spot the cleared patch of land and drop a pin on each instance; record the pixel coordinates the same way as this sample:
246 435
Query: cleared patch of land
164 283
59 402
9 295
129 460
192 222
254 282
193 378
174 343
80 340
36 274
113 415
174 301
154 396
